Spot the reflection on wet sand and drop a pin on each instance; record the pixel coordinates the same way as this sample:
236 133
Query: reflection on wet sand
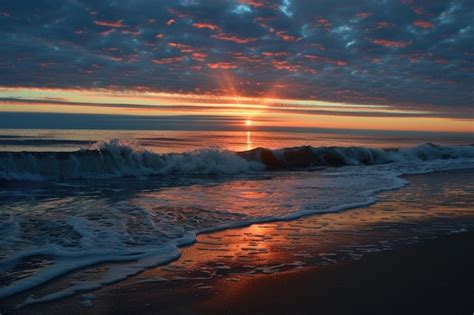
419 212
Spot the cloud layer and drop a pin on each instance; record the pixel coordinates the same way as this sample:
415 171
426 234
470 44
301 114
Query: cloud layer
406 53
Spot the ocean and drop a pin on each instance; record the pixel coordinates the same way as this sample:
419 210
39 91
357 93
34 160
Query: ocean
71 199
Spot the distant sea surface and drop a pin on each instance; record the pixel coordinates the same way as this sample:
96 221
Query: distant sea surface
70 199
162 141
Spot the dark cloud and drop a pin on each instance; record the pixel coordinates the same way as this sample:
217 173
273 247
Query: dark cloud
407 53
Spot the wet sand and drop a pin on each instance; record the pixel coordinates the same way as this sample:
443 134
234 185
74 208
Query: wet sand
433 277
411 252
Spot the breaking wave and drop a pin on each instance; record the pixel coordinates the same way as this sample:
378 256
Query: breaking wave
120 158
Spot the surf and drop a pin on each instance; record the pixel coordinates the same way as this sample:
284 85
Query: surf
121 158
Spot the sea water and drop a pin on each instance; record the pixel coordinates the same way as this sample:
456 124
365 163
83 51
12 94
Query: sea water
71 200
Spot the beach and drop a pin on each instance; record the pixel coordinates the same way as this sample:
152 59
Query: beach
410 252
433 277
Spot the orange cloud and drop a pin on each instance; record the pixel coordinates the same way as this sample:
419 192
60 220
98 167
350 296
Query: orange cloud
222 65
286 37
117 59
284 65
182 47
233 38
322 22
363 15
132 33
340 63
242 57
107 32
110 23
209 26
423 24
380 25
315 57
263 23
169 60
390 43
200 56
253 3
275 54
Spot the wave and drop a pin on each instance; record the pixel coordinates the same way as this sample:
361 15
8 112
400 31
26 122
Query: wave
121 158
307 156
118 158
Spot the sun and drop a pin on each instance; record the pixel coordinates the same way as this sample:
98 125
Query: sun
248 122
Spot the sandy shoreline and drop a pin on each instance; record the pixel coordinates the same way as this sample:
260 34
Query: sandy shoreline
394 255
433 277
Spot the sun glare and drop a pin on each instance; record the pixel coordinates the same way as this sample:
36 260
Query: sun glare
248 123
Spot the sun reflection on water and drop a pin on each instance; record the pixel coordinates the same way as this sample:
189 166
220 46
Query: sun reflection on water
249 140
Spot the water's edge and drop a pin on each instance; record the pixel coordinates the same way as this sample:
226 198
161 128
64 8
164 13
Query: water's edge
170 251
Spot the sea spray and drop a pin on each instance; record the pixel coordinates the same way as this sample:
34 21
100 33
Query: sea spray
121 158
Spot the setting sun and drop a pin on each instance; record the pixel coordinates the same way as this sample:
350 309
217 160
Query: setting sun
248 122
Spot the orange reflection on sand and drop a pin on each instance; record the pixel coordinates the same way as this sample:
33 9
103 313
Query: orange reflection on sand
220 264
235 254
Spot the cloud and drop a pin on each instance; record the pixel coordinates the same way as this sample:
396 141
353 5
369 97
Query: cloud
167 61
233 38
390 43
408 54
222 65
209 26
117 24
423 24
288 38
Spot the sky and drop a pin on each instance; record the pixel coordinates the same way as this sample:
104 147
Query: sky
343 64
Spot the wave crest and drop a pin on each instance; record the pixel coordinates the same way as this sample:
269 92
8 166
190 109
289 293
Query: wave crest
121 158
306 156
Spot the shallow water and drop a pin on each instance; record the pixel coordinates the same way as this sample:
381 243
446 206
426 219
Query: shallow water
432 205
